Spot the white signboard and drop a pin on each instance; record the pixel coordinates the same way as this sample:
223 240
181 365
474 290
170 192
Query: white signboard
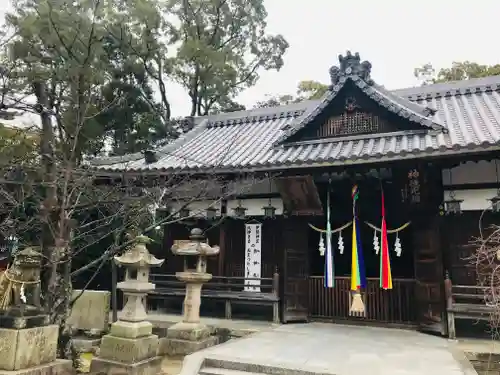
253 256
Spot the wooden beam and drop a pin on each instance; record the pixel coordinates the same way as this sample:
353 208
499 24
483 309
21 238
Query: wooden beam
222 246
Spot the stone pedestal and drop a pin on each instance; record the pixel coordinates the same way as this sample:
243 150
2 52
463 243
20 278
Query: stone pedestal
131 347
186 338
31 351
192 301
190 335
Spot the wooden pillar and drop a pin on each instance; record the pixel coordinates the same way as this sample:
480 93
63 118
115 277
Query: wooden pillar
168 240
222 246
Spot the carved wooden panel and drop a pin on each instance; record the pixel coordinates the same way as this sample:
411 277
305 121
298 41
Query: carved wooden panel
351 123
421 187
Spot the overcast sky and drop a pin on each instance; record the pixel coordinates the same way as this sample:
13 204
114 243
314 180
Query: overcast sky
394 35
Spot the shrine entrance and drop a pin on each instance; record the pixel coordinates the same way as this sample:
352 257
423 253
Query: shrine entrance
415 298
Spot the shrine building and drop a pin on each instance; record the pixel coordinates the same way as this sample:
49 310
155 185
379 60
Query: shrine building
315 210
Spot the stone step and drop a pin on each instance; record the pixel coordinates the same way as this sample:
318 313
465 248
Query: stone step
237 367
486 366
223 371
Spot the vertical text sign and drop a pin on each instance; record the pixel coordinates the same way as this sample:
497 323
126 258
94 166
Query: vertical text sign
253 256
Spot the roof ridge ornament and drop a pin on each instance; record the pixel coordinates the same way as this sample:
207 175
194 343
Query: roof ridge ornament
350 65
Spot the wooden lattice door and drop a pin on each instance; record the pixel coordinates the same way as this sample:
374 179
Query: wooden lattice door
429 275
295 293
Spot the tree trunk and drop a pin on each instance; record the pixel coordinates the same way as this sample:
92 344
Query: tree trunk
47 140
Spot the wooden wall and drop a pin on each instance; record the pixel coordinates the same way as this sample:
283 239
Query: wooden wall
230 236
458 231
234 253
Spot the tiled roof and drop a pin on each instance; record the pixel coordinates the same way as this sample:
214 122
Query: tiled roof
467 111
393 103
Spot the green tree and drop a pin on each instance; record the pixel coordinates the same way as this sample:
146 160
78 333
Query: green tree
221 46
18 146
311 90
306 90
62 54
458 71
85 68
97 86
467 70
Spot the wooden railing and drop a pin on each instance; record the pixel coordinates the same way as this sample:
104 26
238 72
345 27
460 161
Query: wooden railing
395 306
230 290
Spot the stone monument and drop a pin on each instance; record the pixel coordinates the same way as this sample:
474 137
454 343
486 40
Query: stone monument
28 344
189 335
130 346
88 322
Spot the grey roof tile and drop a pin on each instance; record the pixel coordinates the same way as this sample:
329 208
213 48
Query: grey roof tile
469 111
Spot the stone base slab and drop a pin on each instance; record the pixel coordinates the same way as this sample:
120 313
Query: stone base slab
20 322
188 331
127 350
58 367
178 347
131 330
86 344
150 366
30 347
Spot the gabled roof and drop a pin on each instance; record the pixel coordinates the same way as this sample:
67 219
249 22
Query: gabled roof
458 117
352 69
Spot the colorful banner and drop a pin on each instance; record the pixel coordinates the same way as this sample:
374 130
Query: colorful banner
385 260
253 256
358 274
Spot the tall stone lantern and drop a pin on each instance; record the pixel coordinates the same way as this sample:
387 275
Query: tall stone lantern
136 285
130 345
190 335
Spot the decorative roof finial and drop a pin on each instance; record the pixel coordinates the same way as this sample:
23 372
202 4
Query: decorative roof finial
350 65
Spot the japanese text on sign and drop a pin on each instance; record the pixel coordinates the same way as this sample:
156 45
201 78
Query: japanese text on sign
253 256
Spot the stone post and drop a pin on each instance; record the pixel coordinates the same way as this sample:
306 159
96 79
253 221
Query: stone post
28 344
190 335
130 346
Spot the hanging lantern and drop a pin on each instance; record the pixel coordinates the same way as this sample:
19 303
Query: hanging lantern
239 211
269 210
453 206
495 202
184 212
210 213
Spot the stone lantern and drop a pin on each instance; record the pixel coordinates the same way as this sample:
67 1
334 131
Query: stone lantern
137 262
130 345
190 335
